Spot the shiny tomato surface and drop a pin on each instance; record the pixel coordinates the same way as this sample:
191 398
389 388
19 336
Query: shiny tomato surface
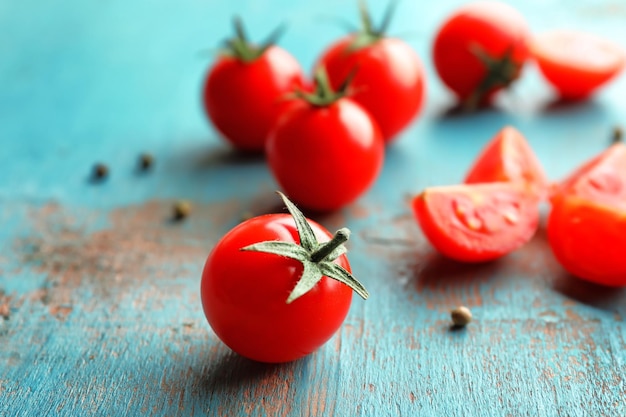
492 29
325 157
389 81
244 294
244 99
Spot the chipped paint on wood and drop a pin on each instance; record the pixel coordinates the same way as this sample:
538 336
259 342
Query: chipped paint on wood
99 303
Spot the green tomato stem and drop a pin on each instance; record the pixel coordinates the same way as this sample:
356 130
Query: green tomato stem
240 48
317 259
341 236
324 94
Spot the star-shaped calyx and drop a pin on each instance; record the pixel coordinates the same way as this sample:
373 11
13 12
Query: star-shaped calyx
369 33
324 95
500 73
239 47
317 258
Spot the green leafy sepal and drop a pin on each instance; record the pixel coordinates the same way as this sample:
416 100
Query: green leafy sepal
316 258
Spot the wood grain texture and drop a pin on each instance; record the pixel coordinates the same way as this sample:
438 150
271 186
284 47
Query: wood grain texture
99 289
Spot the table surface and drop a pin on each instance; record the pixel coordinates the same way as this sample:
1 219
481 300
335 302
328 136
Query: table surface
99 290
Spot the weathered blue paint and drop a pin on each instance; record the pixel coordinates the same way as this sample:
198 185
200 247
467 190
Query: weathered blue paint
99 304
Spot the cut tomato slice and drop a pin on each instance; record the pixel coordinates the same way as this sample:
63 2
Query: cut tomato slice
588 239
477 222
602 179
509 157
577 63
587 223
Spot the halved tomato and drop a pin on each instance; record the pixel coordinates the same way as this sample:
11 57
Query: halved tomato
588 239
509 158
577 63
587 224
477 222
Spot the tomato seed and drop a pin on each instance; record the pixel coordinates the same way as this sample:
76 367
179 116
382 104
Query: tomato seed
511 217
468 219
474 223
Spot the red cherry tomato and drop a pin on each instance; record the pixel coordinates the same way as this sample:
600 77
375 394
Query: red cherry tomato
275 288
389 81
509 158
325 157
587 223
481 49
477 222
577 63
245 91
244 293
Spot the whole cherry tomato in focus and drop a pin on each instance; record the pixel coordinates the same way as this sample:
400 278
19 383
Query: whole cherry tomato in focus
577 63
389 79
480 50
327 150
245 90
277 287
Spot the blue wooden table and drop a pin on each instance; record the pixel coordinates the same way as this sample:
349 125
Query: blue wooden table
99 291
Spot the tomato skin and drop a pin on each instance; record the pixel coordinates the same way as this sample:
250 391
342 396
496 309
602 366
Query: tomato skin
325 157
588 239
509 158
245 99
587 223
503 216
494 27
244 294
389 81
575 63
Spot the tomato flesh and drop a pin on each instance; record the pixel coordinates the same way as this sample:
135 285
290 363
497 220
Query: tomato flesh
325 157
577 63
509 158
477 222
587 223
245 99
244 294
602 179
389 81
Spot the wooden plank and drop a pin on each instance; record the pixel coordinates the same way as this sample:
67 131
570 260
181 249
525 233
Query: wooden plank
99 302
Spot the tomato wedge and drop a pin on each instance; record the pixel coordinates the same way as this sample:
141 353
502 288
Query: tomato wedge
509 158
477 222
601 179
577 63
587 223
